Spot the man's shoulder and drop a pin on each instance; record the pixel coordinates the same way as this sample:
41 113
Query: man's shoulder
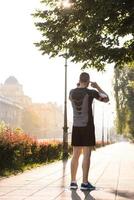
77 93
72 90
83 90
91 91
75 90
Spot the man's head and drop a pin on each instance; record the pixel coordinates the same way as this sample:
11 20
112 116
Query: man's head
84 79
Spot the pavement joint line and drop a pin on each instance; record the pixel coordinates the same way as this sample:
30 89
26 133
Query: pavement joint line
46 186
59 194
107 164
10 191
42 177
94 167
116 191
30 183
36 180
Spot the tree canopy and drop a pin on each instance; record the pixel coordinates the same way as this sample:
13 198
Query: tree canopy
94 32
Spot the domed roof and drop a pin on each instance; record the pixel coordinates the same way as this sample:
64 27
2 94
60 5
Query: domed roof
11 80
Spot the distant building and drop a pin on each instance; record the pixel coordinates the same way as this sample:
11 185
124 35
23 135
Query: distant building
12 90
17 110
12 102
52 119
10 112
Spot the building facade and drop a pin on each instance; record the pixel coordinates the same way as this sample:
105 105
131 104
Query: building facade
12 102
10 112
13 90
36 119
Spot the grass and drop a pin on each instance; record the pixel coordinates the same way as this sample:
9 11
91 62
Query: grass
10 172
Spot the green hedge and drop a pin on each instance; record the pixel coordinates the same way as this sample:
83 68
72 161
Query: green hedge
19 149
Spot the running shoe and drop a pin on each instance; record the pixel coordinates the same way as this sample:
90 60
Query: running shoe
73 186
87 186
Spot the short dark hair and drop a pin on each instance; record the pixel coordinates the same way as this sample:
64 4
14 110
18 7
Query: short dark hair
84 77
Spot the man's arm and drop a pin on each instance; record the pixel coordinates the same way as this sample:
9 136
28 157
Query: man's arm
70 95
102 95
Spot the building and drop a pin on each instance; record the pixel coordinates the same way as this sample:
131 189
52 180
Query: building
52 119
12 102
10 112
13 90
17 110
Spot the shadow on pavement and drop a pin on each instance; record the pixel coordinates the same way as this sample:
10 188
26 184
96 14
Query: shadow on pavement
75 196
124 193
63 183
88 196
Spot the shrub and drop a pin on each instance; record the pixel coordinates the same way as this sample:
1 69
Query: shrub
19 149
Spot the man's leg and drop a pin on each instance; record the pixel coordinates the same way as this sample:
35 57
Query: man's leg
86 163
74 162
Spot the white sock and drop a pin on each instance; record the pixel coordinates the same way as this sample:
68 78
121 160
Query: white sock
73 181
86 183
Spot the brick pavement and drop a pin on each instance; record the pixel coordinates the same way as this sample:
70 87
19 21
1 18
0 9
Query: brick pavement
112 172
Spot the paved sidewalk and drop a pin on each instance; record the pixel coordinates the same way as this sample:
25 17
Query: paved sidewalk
112 172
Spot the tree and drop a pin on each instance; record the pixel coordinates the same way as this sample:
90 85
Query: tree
124 93
94 32
120 84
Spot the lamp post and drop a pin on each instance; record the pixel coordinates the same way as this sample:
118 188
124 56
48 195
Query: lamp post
107 132
65 127
108 118
64 6
102 126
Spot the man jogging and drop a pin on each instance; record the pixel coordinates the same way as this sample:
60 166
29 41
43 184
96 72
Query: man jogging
83 130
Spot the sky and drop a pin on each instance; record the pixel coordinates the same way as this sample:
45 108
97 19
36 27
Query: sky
42 78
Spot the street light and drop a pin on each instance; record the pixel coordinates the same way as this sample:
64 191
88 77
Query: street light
65 5
108 124
65 127
102 126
